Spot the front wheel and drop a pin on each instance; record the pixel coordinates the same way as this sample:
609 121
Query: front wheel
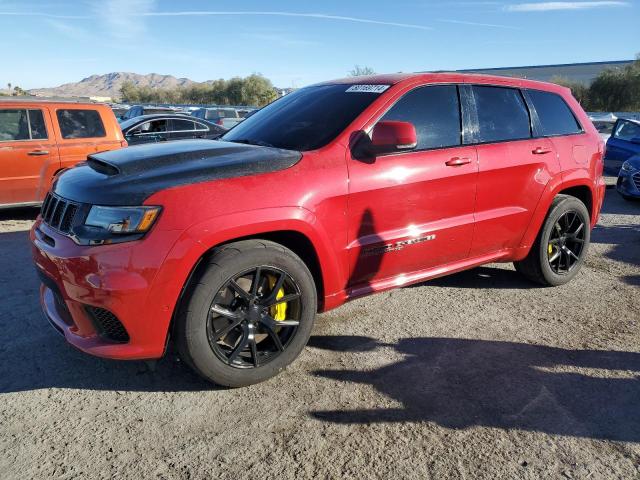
561 246
248 314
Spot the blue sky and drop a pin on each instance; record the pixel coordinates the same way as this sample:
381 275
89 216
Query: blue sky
46 43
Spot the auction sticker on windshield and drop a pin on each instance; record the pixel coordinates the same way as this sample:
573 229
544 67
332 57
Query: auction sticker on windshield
367 88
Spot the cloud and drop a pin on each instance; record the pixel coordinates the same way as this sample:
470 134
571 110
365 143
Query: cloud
476 24
321 16
549 6
122 18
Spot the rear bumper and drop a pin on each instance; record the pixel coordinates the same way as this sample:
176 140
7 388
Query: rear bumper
77 281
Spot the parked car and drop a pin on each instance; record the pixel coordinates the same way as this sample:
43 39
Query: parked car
225 117
159 128
138 110
623 143
628 184
39 138
229 248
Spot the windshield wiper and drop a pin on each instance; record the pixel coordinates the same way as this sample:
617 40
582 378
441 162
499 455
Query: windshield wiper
248 141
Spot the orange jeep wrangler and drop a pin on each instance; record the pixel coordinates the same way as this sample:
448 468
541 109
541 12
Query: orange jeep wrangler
39 138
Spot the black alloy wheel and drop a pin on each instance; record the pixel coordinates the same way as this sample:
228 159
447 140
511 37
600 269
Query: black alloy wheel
561 246
247 313
254 317
566 242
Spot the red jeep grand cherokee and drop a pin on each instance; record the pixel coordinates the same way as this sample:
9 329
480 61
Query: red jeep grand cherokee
335 191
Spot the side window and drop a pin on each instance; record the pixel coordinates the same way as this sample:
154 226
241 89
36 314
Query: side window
80 124
181 125
554 114
155 126
14 125
201 127
18 124
627 130
502 114
36 121
434 111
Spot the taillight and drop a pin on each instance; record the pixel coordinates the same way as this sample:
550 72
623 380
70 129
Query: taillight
219 122
123 143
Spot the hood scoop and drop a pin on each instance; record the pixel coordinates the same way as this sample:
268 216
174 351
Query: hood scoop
102 167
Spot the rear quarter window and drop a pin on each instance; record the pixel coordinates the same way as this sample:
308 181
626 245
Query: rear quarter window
556 118
502 114
76 123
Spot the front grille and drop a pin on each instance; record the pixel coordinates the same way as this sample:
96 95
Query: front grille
107 325
59 213
636 180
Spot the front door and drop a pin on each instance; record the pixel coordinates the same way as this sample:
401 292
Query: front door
28 155
412 211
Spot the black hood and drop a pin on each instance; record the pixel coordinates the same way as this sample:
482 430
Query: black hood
130 175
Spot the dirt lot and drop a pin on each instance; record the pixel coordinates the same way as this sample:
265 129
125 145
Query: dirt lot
478 375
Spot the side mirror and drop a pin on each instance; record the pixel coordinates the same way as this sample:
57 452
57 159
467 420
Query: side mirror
392 136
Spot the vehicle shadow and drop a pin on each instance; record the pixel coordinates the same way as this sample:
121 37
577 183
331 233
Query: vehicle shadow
460 383
19 213
34 356
481 277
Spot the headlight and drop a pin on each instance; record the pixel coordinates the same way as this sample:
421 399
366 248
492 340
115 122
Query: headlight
116 224
626 166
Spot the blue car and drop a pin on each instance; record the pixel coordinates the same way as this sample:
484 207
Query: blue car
629 179
623 143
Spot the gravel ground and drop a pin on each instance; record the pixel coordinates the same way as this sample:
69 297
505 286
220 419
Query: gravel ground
476 375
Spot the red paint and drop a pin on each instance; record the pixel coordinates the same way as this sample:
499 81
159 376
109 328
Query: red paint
452 208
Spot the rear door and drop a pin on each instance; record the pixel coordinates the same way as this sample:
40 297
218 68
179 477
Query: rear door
82 131
414 210
28 154
514 167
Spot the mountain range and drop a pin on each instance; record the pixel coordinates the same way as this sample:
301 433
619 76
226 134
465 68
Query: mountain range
109 85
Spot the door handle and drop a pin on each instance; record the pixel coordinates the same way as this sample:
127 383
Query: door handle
35 153
457 161
540 151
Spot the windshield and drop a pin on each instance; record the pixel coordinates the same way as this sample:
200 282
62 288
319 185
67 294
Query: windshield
306 119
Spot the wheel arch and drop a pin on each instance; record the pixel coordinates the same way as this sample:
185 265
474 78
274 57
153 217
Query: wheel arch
582 189
297 230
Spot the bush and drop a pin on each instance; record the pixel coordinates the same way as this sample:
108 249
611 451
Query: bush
253 90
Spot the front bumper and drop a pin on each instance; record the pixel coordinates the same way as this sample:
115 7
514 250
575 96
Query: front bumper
629 183
120 279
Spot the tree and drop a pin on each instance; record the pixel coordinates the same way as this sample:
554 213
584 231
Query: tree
253 90
359 71
580 91
617 89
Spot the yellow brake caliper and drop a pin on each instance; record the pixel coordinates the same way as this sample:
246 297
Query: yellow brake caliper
279 310
550 250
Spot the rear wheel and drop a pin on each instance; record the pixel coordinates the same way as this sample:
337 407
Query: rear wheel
561 246
248 315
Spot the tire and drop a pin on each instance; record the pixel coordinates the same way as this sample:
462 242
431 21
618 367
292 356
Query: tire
196 330
537 266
